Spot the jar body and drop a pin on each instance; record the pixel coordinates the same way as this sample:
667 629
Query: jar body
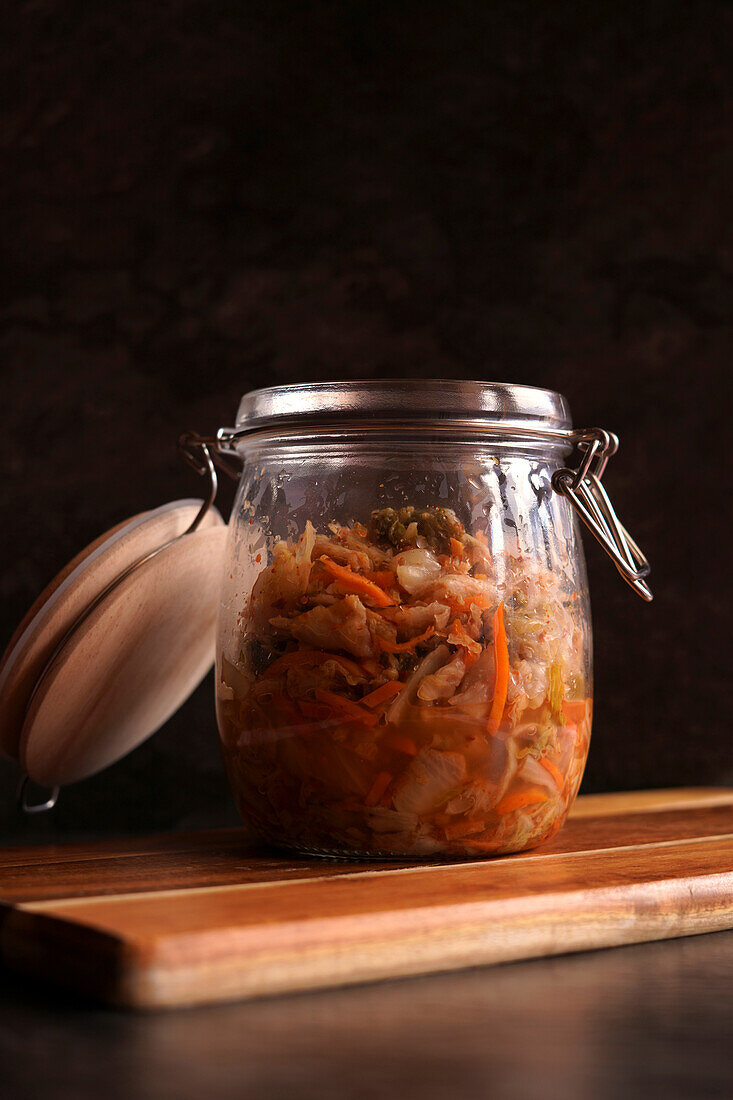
404 646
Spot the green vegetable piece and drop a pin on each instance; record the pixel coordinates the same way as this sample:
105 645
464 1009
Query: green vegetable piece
436 525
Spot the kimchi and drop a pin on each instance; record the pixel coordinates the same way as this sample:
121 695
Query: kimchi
399 692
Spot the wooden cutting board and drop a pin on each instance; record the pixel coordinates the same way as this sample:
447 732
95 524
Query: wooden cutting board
200 917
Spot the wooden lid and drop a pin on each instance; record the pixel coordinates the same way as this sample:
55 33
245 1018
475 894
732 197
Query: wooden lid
127 664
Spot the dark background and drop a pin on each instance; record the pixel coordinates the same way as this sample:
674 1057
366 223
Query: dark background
198 198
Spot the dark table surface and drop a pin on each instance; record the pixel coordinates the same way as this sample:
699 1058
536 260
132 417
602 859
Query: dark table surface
649 1020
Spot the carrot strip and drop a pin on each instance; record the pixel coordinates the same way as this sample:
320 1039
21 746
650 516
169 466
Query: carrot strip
461 606
516 801
554 772
382 693
463 828
456 549
501 664
489 846
353 582
347 707
286 706
574 710
384 578
400 743
313 657
320 712
458 635
379 786
403 647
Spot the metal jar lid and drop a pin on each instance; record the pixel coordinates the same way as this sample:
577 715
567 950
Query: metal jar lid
431 402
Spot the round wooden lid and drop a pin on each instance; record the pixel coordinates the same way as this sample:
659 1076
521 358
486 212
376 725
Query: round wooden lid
130 662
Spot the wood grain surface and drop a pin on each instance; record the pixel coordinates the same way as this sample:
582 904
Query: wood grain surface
195 918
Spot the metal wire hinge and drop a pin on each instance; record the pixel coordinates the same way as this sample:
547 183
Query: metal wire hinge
585 492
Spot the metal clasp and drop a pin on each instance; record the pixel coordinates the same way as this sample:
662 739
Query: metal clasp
585 492
203 452
35 807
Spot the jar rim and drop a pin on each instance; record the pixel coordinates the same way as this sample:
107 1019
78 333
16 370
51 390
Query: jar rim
439 402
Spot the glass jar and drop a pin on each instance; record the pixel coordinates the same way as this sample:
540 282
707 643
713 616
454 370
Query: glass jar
404 646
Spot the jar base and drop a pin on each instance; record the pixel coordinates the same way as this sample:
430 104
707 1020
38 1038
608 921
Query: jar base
341 855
